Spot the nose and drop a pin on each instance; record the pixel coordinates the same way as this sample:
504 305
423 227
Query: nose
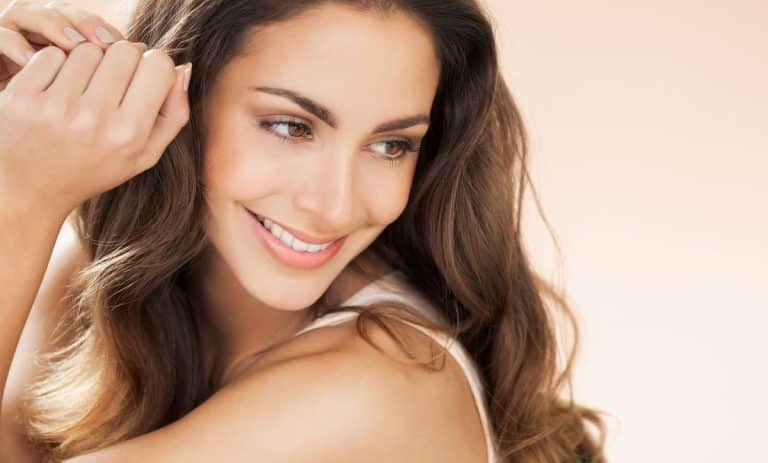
328 192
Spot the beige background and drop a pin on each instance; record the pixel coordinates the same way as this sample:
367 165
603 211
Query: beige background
649 129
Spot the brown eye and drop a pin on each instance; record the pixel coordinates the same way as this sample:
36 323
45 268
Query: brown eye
395 148
296 130
287 130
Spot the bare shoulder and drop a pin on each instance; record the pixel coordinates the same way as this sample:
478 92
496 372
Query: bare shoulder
429 413
339 401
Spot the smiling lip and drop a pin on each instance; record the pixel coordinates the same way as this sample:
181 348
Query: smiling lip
286 254
302 236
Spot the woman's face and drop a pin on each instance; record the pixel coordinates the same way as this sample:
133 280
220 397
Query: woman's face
352 92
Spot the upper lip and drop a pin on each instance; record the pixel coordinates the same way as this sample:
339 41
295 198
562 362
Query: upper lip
298 234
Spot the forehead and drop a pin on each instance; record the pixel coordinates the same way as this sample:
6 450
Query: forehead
342 57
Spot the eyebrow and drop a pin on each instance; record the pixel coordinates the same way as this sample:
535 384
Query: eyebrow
325 115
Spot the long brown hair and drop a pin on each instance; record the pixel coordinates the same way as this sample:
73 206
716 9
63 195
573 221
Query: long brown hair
132 359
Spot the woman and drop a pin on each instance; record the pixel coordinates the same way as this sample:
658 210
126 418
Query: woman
332 161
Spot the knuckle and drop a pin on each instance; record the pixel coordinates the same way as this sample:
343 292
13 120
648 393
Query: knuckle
17 106
161 59
85 121
126 48
52 113
124 137
122 43
88 49
53 53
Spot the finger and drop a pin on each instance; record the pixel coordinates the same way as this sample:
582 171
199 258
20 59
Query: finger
38 74
37 19
77 71
114 74
14 46
153 81
173 116
91 25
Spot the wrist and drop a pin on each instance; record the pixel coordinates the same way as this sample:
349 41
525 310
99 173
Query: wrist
32 214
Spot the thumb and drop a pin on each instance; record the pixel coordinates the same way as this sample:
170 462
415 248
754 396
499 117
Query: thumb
173 115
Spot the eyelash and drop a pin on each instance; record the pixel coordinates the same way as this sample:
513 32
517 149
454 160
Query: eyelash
267 125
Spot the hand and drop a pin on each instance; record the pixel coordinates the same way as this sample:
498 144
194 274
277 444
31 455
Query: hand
78 125
26 27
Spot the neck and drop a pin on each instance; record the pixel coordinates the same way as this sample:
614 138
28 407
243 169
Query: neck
234 324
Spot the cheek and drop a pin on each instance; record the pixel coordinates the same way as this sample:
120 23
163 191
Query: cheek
386 196
234 165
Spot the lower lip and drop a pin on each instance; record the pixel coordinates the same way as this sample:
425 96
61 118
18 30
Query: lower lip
290 256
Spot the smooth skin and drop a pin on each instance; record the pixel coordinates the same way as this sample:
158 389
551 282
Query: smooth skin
325 396
326 178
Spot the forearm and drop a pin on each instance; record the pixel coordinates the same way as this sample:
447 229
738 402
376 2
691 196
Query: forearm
27 238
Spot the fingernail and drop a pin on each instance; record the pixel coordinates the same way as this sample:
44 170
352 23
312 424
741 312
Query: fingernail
104 35
187 77
73 35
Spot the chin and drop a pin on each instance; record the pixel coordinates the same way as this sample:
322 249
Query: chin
282 292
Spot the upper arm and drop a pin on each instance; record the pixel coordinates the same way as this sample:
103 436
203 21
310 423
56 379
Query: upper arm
43 317
333 407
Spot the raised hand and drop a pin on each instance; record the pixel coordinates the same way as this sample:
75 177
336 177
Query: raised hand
80 123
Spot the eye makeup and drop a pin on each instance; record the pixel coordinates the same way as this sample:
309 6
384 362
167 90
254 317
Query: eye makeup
406 145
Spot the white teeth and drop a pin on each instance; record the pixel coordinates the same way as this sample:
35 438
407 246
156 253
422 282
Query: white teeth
315 247
291 240
286 238
276 230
